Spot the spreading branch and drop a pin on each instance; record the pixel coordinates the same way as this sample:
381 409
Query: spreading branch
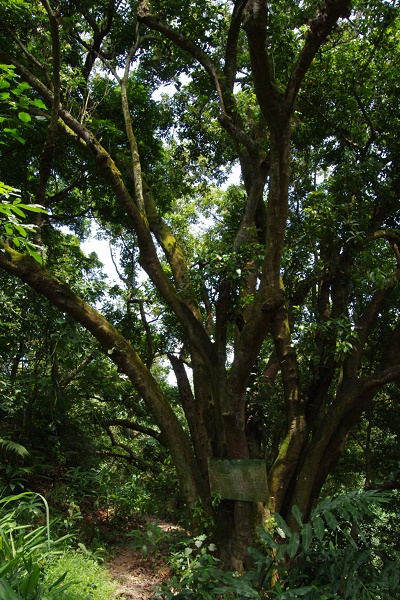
133 458
228 119
73 374
128 424
145 16
319 29
149 258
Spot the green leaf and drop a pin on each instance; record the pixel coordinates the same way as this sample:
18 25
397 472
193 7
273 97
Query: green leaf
36 208
296 593
34 253
297 514
21 230
283 526
267 538
15 134
6 592
259 557
293 545
306 536
58 581
10 446
319 527
39 104
18 211
394 579
331 520
21 87
349 538
24 117
29 583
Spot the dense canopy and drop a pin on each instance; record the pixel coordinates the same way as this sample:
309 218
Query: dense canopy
274 300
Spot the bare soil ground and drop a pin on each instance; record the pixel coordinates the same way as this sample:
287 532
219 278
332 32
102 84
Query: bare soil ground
137 575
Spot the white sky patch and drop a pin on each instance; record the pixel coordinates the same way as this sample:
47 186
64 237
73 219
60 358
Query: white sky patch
234 177
168 90
102 249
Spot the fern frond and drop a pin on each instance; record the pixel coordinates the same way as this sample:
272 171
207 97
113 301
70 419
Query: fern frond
10 446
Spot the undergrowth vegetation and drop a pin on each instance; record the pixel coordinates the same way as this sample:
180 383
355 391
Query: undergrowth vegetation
334 556
345 551
34 566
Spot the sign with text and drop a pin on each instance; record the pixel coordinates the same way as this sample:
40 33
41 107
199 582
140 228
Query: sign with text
239 479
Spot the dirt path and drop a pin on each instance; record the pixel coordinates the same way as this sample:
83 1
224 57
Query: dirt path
137 575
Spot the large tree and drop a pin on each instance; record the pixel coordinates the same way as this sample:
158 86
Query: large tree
281 296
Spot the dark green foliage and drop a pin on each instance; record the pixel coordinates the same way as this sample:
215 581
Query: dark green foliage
25 550
333 556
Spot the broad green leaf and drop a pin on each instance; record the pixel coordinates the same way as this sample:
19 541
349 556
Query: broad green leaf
331 520
282 525
39 104
24 117
349 538
21 87
36 208
34 253
267 537
394 578
6 591
14 133
18 211
259 557
306 536
319 527
293 544
21 230
297 514
28 585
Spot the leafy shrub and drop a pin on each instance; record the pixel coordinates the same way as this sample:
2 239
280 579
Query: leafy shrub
150 541
329 558
198 575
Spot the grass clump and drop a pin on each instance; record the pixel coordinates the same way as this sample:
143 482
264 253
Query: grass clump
85 578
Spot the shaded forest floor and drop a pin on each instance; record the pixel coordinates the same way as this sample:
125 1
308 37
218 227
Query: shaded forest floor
137 573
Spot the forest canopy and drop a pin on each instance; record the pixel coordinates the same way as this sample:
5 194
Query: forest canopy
274 301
